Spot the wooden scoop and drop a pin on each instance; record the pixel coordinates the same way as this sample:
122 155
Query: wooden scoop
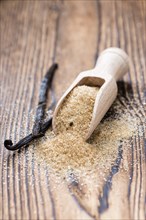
111 65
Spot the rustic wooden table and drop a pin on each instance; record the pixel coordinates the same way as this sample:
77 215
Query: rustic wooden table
33 34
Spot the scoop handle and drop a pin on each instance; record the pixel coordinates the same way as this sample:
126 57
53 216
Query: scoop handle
113 61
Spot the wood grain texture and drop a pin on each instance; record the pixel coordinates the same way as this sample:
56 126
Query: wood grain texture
33 34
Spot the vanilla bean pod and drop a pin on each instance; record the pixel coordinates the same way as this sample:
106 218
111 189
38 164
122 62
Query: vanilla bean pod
9 144
45 86
39 127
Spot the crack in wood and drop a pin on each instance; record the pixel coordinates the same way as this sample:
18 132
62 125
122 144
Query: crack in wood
103 199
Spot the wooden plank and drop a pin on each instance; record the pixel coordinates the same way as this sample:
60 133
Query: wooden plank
73 33
27 50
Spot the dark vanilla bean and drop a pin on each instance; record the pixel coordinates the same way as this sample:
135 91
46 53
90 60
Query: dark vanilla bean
39 127
26 140
45 86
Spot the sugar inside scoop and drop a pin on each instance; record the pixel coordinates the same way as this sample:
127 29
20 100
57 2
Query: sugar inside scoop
76 111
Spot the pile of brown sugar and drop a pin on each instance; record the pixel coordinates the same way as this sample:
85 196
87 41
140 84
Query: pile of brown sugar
76 111
68 150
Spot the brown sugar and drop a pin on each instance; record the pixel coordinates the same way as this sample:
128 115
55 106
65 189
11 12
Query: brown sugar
76 112
68 150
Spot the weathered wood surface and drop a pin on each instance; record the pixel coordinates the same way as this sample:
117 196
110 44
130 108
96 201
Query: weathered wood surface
33 34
